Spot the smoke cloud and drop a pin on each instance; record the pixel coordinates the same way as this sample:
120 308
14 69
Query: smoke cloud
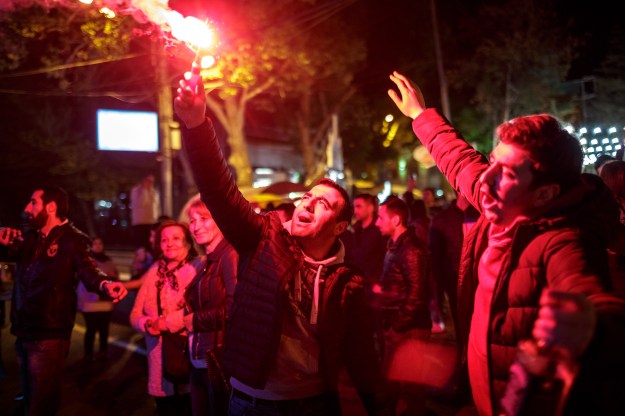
143 11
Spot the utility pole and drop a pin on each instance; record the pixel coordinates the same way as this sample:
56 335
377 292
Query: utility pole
442 79
165 120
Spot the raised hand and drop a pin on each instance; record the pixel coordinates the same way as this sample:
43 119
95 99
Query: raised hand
116 291
411 102
190 104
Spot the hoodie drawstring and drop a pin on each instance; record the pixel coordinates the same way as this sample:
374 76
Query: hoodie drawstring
314 311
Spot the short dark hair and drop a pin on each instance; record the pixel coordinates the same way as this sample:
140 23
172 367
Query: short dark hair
556 153
399 207
369 199
58 195
346 212
602 159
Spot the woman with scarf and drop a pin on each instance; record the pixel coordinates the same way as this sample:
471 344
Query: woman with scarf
160 306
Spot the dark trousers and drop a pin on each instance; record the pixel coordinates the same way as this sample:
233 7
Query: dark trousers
322 405
199 391
176 405
41 365
96 322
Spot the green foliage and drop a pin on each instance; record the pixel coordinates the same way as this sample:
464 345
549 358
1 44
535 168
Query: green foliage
34 36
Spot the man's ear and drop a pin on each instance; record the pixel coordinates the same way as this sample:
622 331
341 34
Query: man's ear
396 220
544 194
340 227
51 208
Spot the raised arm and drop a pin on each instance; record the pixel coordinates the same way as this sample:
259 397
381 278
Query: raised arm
461 164
234 215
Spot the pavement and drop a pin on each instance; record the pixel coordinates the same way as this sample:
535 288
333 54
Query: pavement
117 386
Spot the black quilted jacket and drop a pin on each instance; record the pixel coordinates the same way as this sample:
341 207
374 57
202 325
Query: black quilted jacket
269 260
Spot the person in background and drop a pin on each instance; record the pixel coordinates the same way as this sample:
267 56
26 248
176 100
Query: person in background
446 235
285 211
97 310
50 260
613 175
365 246
534 265
159 307
404 294
299 313
141 262
602 160
209 299
145 209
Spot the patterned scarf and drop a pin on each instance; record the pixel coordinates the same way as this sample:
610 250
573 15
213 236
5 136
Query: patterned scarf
165 275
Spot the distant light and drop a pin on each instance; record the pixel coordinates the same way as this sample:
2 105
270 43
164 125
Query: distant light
605 141
583 142
594 142
263 171
599 149
608 148
590 149
295 195
439 193
615 140
596 130
259 183
207 61
86 1
402 165
612 130
107 12
389 118
583 130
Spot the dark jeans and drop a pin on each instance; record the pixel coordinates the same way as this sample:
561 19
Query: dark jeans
176 405
322 405
199 391
96 322
41 365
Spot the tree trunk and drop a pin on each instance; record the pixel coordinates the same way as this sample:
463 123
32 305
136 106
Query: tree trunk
239 158
231 114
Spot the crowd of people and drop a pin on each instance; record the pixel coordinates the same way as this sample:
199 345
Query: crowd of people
529 252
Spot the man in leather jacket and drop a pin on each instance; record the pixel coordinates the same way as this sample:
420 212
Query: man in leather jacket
404 293
50 260
299 313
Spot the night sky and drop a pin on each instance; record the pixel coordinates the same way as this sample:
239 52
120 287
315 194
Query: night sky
398 35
